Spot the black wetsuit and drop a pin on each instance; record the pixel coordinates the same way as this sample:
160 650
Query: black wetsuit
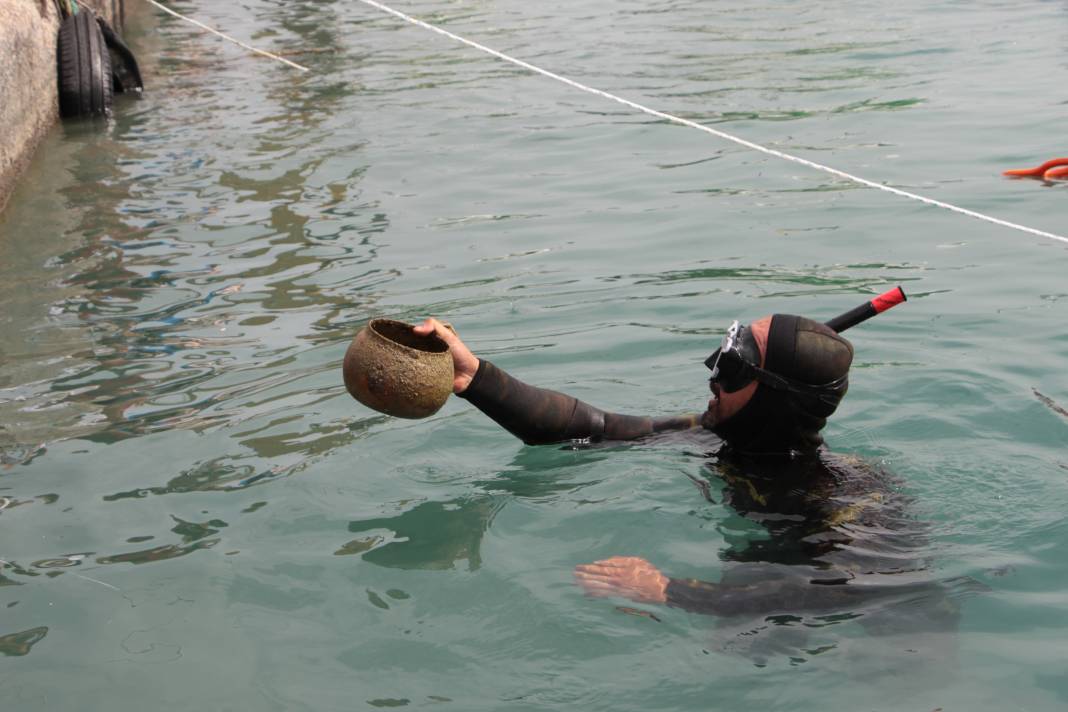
840 534
538 416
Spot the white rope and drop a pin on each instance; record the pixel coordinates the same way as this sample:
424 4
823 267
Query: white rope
226 37
708 129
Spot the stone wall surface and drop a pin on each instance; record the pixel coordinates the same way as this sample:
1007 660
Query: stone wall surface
29 97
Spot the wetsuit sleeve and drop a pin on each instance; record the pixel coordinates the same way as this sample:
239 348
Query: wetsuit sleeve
698 596
776 592
538 415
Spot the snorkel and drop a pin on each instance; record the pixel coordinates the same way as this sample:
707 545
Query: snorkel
867 310
735 362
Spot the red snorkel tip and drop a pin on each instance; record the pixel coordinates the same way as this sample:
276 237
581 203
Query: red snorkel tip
889 299
867 310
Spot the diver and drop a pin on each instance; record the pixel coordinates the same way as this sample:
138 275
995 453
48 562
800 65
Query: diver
840 537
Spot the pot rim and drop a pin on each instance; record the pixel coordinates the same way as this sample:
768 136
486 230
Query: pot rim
373 324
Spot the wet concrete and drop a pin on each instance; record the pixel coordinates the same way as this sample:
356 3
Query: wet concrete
28 78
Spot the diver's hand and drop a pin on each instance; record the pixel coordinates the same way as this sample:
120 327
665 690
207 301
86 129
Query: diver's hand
464 363
625 576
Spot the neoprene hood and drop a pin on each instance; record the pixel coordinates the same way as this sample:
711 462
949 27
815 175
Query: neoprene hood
781 421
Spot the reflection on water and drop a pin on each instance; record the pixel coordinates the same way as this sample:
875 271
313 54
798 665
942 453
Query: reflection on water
207 270
184 312
458 528
17 644
180 286
441 535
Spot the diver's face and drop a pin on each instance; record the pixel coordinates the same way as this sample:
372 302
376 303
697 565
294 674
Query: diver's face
723 405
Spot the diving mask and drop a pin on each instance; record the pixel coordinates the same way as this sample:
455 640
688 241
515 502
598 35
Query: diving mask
734 366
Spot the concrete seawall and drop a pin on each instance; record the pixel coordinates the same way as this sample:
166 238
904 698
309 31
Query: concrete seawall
29 97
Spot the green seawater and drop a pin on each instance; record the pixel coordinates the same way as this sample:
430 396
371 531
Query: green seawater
195 515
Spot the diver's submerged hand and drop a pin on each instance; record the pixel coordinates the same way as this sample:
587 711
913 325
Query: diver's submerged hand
626 576
464 363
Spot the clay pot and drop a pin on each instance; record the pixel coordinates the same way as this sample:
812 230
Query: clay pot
392 369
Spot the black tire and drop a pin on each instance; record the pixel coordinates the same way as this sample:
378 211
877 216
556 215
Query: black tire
84 67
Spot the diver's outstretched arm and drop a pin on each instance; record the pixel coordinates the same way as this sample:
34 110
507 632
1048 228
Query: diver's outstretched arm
538 415
763 590
636 579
